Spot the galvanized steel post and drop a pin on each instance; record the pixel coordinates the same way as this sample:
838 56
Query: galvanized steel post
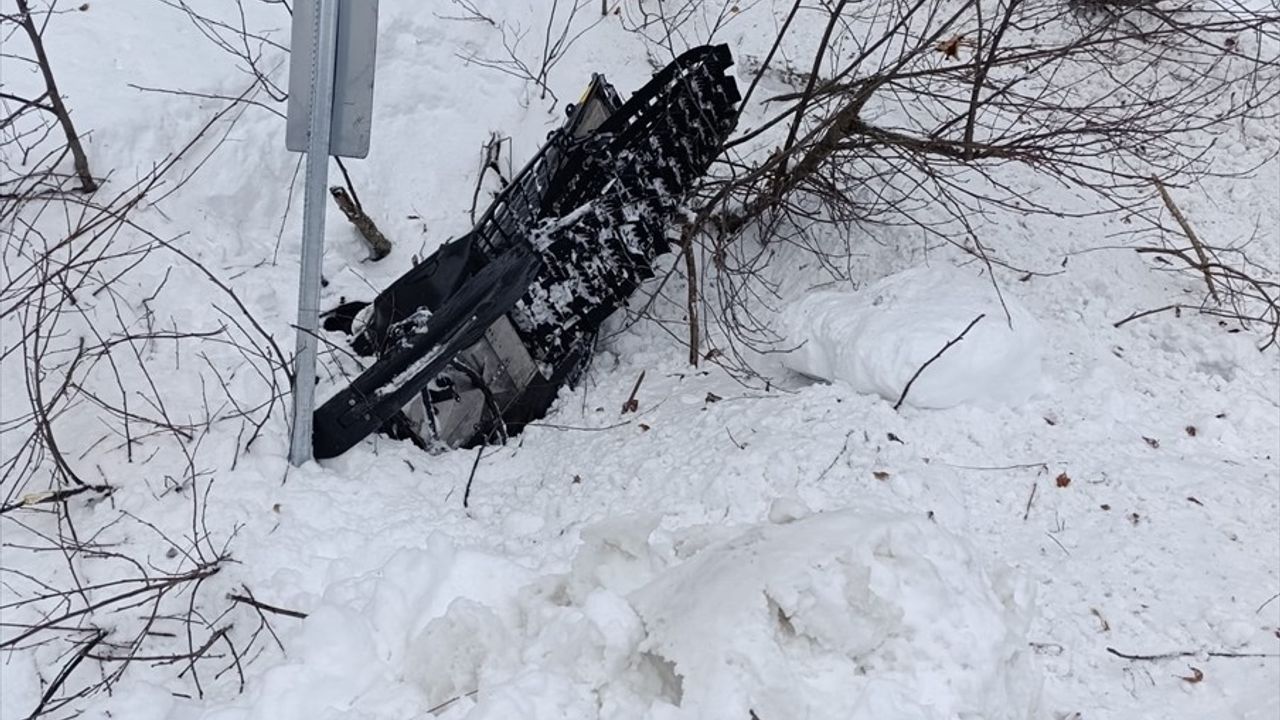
324 43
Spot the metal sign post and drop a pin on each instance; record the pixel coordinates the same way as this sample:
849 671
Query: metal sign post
330 105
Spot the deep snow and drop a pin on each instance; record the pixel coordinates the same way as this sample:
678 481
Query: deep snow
987 349
801 551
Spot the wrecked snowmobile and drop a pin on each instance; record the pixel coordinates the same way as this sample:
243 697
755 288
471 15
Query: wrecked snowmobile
475 341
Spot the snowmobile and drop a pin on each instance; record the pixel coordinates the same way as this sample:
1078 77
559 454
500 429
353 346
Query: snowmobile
476 341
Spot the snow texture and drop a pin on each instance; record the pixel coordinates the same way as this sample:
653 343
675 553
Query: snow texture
877 338
851 614
801 550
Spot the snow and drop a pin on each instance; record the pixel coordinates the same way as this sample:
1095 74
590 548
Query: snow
797 549
876 339
849 614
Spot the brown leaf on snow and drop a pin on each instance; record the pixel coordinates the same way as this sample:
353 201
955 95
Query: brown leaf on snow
1154 443
1191 430
1063 480
880 475
1196 675
950 48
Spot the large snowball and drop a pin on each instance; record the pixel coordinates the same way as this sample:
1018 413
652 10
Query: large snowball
876 338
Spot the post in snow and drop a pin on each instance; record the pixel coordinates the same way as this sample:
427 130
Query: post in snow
331 69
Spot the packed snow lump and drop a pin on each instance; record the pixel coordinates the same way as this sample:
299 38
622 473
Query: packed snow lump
876 338
853 614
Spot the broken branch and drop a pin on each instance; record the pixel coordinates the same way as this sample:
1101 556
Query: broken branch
1191 235
378 243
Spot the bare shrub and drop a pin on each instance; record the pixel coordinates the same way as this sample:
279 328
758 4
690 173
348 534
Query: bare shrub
564 27
911 114
29 119
91 589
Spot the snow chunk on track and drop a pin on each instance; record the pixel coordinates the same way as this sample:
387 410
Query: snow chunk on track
875 339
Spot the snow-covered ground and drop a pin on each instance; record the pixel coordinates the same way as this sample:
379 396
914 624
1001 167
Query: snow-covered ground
1054 492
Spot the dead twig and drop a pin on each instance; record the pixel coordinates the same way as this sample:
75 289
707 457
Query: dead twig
843 449
466 494
1030 499
1191 235
930 361
258 604
691 299
379 245
55 496
66 671
81 161
631 405
491 155
1189 653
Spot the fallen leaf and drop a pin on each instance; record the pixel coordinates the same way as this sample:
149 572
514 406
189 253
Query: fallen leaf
1063 480
644 428
1192 498
1050 421
1191 430
896 439
1105 506
880 475
950 48
577 479
1134 518
1196 675
1154 443
712 397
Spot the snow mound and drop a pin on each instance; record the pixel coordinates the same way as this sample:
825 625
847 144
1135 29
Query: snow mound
840 615
850 615
875 339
